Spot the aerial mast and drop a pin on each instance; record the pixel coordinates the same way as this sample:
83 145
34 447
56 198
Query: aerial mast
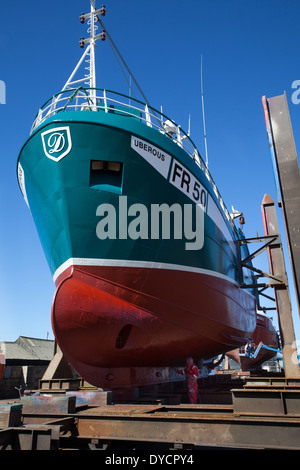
203 114
92 28
89 54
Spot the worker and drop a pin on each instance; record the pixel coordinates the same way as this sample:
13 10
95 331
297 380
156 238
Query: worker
191 372
250 348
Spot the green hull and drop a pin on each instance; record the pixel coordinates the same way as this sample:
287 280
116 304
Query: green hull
64 196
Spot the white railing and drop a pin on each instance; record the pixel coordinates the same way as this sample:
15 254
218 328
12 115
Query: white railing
98 99
102 100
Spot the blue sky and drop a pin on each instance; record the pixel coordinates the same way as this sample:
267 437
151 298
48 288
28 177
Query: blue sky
250 48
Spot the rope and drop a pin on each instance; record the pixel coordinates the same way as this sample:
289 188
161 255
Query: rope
126 66
117 59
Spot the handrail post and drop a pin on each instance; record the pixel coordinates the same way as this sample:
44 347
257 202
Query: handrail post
179 140
148 118
105 101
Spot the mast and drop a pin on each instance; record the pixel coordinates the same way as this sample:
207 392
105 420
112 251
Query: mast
89 79
92 69
203 115
89 54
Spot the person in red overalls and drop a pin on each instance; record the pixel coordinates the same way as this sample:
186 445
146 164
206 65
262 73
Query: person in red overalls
191 372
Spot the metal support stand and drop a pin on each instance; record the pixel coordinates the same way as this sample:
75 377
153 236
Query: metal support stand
277 280
59 367
287 175
282 298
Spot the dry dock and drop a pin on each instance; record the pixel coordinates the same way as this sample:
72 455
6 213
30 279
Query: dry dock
264 414
233 413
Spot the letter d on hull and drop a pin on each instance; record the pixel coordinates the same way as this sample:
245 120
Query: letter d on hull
57 142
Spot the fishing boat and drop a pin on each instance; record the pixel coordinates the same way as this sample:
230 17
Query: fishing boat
141 246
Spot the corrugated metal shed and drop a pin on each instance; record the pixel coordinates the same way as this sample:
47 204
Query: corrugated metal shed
29 349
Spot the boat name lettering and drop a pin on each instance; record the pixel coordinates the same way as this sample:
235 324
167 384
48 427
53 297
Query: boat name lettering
180 176
148 148
156 157
184 180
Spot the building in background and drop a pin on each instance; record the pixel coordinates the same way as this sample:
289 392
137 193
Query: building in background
25 363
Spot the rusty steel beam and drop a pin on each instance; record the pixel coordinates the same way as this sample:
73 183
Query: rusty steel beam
49 404
7 437
31 437
282 298
267 401
194 428
196 425
287 175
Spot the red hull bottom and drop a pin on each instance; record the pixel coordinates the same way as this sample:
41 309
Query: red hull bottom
116 317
